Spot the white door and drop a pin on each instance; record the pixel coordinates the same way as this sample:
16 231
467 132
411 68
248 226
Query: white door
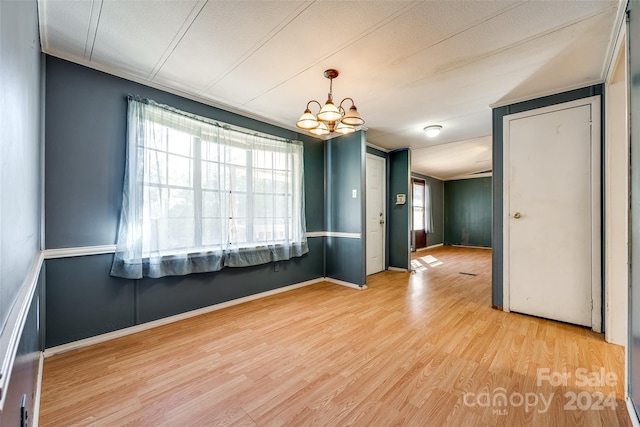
551 212
376 168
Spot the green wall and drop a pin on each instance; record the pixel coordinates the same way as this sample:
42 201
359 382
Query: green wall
467 212
398 215
85 138
20 186
344 172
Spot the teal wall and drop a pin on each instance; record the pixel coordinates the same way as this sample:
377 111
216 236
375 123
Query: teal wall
467 212
20 192
344 173
20 147
24 372
84 167
398 215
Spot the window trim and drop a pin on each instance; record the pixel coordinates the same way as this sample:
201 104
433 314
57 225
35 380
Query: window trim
225 251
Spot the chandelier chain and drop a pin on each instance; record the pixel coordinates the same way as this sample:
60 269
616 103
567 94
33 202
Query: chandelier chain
331 88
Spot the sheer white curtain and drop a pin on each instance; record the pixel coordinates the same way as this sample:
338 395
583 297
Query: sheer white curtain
428 219
199 196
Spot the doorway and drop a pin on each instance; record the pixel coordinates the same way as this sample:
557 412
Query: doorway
418 214
551 213
375 213
616 203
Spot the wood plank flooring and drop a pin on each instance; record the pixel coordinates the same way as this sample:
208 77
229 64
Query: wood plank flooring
421 349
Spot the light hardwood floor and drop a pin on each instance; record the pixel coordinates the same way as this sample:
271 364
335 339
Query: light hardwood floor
421 349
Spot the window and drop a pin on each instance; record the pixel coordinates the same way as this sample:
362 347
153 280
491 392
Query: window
428 218
200 196
421 206
418 204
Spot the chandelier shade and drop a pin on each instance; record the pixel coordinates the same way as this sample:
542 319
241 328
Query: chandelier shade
352 117
307 120
344 128
329 113
321 129
330 118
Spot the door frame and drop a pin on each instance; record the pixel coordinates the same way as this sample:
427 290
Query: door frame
411 229
384 211
596 170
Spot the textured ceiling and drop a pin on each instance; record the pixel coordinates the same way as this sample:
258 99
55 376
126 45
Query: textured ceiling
406 64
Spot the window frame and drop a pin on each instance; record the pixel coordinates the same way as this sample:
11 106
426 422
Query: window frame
271 164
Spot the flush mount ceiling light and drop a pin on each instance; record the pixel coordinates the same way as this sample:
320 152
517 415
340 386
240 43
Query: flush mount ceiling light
330 118
433 130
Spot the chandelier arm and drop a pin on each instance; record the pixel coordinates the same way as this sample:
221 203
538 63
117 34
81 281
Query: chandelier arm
352 102
313 100
330 117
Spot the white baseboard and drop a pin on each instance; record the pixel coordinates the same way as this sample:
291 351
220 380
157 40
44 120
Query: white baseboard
437 245
36 398
166 320
632 412
471 247
347 284
402 270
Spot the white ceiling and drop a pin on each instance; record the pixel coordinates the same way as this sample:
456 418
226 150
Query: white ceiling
407 64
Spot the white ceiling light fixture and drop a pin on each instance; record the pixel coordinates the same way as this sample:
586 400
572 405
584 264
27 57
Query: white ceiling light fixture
330 118
433 130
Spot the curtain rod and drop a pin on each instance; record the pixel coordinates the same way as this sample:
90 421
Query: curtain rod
209 121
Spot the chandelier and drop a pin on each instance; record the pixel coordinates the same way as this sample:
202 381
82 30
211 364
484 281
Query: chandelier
330 118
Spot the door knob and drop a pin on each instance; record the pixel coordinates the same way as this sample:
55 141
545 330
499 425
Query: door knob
517 215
